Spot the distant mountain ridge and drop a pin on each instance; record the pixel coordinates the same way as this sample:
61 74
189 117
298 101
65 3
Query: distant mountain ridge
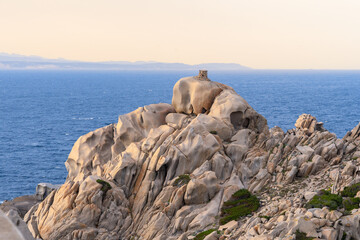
16 61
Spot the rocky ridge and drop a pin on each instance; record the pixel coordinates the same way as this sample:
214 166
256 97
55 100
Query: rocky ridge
168 171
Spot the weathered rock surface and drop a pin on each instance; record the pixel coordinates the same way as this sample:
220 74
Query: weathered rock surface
19 224
164 172
8 229
44 189
194 95
20 204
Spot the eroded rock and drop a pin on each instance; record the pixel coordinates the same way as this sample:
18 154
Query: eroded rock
165 171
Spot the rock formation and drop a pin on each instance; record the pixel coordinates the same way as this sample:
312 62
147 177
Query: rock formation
8 229
169 171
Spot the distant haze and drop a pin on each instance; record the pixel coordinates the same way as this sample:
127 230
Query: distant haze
296 34
20 62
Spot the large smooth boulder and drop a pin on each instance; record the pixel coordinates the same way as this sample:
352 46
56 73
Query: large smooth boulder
202 189
134 126
89 153
194 95
235 111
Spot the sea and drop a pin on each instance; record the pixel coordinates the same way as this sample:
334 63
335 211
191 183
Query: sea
43 112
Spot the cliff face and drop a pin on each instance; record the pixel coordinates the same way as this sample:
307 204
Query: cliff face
165 171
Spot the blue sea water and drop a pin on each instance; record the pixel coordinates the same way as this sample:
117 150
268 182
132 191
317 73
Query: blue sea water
42 113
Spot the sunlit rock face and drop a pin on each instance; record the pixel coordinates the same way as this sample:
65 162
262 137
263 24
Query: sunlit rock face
194 95
164 172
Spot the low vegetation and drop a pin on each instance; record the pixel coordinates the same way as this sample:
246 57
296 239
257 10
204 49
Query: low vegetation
105 185
346 199
351 203
266 217
182 180
325 198
351 191
301 236
203 234
240 204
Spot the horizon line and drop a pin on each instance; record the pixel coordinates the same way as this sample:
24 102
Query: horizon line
152 61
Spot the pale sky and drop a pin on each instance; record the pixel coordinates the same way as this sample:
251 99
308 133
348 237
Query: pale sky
286 34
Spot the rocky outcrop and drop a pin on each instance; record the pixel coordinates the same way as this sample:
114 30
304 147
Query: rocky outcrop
44 189
166 172
194 95
8 229
20 204
308 124
19 224
81 210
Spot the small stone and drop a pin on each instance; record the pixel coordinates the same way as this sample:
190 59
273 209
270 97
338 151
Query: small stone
298 211
281 218
356 155
350 148
329 233
269 225
316 222
289 178
323 222
333 215
253 232
321 213
230 225
306 226
349 169
333 174
44 189
309 214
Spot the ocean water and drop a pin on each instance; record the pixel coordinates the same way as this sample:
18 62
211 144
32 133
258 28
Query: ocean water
42 113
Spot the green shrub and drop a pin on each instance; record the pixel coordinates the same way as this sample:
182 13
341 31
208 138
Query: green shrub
203 234
105 185
351 191
266 217
301 236
351 203
213 132
240 204
344 236
325 198
182 180
242 194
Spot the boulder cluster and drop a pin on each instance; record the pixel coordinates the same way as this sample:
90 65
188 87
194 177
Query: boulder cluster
204 167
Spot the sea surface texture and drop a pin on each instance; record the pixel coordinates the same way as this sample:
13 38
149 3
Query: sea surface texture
43 113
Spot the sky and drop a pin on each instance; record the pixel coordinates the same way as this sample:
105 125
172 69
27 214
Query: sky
265 34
